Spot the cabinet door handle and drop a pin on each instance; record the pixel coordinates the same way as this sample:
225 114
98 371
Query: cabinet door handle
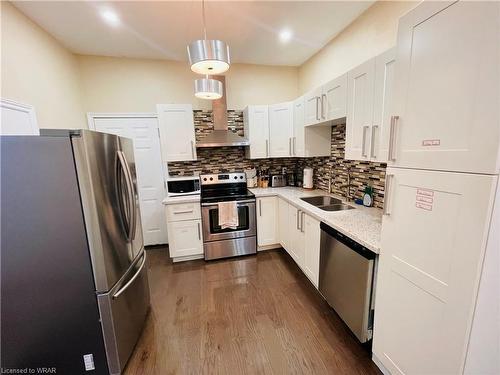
363 153
392 138
317 110
323 96
290 146
298 218
295 146
199 232
182 212
372 142
303 214
192 149
260 208
387 192
267 147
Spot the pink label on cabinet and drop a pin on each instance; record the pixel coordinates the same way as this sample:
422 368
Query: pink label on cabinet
424 199
427 193
431 142
423 206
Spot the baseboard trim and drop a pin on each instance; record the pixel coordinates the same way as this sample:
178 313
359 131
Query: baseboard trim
379 364
269 247
188 257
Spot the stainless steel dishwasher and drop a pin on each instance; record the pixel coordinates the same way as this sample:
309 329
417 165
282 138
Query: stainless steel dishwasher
346 276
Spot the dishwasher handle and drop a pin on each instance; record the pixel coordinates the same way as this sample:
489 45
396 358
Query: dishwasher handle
349 242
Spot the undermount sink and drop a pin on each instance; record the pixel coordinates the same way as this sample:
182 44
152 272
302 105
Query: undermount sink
321 200
337 207
327 203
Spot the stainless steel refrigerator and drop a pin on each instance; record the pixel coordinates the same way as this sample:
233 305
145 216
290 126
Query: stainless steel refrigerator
74 290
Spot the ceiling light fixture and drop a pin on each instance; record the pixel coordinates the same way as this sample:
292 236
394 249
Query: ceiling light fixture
110 17
285 35
208 56
208 88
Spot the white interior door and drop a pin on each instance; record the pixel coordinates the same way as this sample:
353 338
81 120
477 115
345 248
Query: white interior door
281 129
447 87
17 119
433 242
144 132
360 83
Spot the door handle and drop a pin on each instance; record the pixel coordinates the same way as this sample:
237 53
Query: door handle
295 146
192 149
199 231
124 288
387 192
267 147
290 146
317 110
372 142
392 138
130 195
363 153
260 208
302 215
298 218
323 96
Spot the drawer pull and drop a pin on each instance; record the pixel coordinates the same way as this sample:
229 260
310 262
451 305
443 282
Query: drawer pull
182 212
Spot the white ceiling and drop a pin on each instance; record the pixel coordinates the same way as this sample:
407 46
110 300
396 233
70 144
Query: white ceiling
162 29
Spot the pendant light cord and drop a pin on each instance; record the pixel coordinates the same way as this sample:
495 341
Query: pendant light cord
204 23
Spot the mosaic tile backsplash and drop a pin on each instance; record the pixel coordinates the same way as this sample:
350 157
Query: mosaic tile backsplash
230 159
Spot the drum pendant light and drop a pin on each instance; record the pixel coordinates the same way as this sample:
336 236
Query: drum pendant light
208 56
208 88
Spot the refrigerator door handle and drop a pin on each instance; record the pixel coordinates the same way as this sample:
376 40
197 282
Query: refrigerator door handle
387 189
124 288
125 210
131 195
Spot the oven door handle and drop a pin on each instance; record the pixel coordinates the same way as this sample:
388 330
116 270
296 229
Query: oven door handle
246 201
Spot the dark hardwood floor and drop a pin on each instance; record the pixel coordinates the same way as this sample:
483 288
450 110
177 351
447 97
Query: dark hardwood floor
247 315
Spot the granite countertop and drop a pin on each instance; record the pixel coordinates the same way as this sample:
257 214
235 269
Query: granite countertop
182 199
363 224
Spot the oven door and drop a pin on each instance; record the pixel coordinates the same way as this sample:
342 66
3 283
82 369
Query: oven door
210 220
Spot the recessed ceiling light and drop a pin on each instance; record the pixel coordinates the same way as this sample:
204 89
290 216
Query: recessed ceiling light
110 17
285 35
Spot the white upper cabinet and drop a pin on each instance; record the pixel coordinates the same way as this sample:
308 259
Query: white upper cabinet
312 102
298 145
281 130
256 127
360 86
383 102
334 99
447 88
177 134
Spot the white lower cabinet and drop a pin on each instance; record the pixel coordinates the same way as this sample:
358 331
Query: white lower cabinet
283 222
184 231
312 243
299 234
267 225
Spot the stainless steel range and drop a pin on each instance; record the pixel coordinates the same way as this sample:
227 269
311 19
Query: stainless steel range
219 242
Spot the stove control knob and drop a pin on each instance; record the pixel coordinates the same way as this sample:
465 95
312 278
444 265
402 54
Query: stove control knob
211 178
235 177
204 178
241 177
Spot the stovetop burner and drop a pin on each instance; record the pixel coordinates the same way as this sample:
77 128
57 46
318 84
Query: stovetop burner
224 187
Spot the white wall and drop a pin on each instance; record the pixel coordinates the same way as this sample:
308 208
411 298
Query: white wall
367 36
37 70
113 84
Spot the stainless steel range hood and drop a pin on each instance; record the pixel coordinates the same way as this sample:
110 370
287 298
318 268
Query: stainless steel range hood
221 136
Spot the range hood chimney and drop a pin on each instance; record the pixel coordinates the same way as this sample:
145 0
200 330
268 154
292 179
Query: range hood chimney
221 136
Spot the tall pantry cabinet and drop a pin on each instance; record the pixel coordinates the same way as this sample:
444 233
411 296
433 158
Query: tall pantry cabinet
441 186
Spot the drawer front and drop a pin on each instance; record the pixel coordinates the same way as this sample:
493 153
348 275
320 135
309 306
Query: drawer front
183 211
